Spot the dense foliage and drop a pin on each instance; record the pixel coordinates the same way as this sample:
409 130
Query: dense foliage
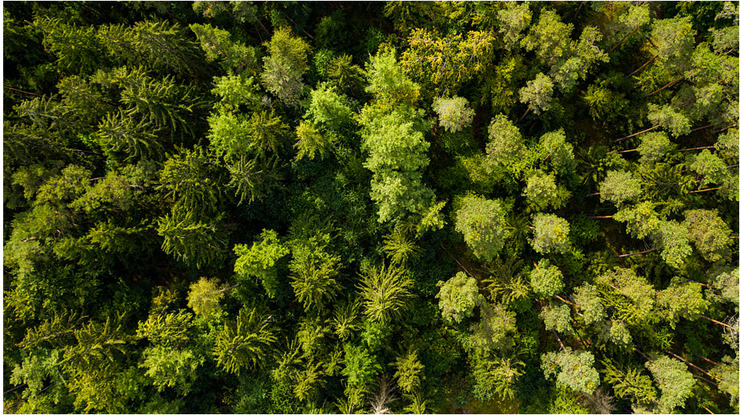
283 207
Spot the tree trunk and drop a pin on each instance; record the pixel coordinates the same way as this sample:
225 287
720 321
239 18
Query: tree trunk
642 67
705 190
637 253
565 301
578 11
689 363
635 134
600 217
695 148
668 85
623 39
525 114
562 346
700 128
718 322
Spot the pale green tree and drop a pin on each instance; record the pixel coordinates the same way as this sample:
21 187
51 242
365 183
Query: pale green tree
384 292
620 186
546 279
483 225
574 369
458 296
550 233
674 382
245 342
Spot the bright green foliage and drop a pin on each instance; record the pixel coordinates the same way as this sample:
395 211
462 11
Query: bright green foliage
168 367
454 113
244 343
618 333
259 260
636 17
631 383
311 141
483 225
559 150
492 331
546 279
653 147
360 366
204 297
77 48
670 119
709 233
642 220
397 149
313 274
542 191
537 94
575 369
218 46
236 90
345 76
505 141
726 374
285 66
636 288
726 281
709 166
496 378
171 330
514 19
681 299
328 109
345 319
384 292
97 345
674 381
557 317
549 38
409 371
387 81
673 237
400 246
588 302
34 372
620 186
458 296
190 178
446 62
674 39
550 234
193 242
578 59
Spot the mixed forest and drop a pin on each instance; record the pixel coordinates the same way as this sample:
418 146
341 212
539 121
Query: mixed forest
340 207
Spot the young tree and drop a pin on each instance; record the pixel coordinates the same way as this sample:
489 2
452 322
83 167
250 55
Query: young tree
514 18
674 382
549 38
505 141
642 220
492 331
588 301
483 225
550 233
620 186
681 299
630 382
673 238
204 297
409 371
496 377
458 296
709 233
574 369
171 367
285 66
244 343
653 147
192 241
454 113
559 151
384 292
537 94
670 118
546 279
260 260
636 289
542 191
557 317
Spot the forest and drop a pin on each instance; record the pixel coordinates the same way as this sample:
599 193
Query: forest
384 207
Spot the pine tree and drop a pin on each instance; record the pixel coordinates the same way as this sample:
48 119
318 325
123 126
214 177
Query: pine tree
244 343
384 292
